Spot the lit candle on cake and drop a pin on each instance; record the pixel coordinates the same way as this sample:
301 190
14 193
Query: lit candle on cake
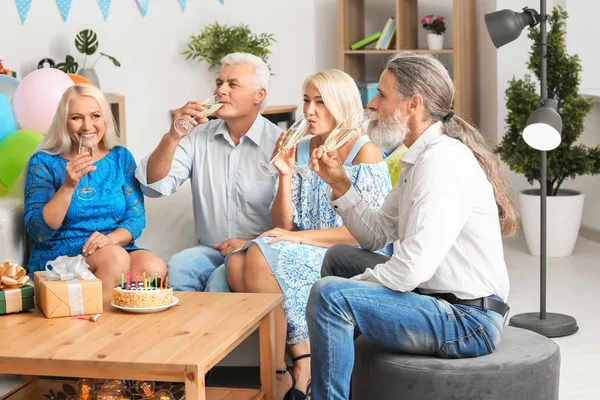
155 279
129 280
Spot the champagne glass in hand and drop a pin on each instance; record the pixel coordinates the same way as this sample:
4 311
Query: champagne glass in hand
86 146
345 130
291 138
182 124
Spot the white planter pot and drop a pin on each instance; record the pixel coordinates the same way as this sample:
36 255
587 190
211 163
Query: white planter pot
563 219
435 42
91 76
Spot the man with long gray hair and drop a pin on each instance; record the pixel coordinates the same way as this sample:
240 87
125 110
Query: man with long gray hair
446 281
231 197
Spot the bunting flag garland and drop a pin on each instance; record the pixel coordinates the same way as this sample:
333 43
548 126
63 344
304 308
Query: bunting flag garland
64 6
143 4
23 7
104 7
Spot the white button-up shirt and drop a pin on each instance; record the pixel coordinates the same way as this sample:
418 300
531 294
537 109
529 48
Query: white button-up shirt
230 196
443 220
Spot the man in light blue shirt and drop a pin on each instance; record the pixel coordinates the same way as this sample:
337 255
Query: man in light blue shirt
231 197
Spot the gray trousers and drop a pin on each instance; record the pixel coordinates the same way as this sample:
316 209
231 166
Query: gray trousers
346 261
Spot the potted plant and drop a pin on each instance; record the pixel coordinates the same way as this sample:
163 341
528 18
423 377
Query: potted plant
435 26
86 43
216 41
569 160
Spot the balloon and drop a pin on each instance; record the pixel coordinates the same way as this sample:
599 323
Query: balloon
15 151
3 190
7 117
78 79
37 98
8 85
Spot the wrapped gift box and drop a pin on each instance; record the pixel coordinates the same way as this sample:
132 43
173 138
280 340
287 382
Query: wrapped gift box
13 300
57 298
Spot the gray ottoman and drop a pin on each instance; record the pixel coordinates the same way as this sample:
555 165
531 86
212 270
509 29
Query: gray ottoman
525 366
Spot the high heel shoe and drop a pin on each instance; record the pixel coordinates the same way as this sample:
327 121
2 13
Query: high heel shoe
293 393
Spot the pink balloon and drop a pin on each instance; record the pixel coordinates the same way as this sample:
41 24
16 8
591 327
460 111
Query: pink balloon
37 96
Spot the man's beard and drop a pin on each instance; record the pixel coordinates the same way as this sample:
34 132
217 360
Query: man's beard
387 133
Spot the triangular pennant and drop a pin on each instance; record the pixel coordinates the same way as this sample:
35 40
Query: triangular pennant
64 6
222 1
182 4
23 7
104 7
143 4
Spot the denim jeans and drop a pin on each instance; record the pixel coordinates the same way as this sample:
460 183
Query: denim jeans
198 269
407 322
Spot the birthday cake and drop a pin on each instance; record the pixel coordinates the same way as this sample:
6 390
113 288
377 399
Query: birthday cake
142 296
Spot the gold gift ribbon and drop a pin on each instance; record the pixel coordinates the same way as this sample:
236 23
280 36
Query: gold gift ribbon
14 302
12 275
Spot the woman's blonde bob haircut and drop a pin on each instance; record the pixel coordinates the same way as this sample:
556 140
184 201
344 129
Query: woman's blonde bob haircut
57 139
338 91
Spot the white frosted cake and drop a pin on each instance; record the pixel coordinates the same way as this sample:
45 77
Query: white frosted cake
142 297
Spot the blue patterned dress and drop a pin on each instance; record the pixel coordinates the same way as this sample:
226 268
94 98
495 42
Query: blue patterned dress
298 266
119 203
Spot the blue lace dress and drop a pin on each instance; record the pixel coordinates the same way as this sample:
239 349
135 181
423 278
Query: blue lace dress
298 266
119 203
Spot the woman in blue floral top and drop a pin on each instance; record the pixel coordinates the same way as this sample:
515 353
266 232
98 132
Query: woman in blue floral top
288 258
103 229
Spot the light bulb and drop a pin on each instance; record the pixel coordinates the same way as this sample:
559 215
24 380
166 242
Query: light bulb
85 389
164 395
145 388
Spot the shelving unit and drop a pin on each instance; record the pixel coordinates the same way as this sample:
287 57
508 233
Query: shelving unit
351 28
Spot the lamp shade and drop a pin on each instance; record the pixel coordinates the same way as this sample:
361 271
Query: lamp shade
544 127
504 26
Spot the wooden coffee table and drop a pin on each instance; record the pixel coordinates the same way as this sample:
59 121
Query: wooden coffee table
176 345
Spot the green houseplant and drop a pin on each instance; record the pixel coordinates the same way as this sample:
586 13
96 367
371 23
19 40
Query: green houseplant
216 41
86 42
567 161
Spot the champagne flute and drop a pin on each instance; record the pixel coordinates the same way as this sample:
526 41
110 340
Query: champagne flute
345 130
86 146
183 126
290 139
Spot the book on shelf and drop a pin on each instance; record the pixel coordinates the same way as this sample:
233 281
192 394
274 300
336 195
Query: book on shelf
366 41
388 34
383 32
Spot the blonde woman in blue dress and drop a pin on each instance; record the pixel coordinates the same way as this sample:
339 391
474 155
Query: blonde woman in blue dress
288 259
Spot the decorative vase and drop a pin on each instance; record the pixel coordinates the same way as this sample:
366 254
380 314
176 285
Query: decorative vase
563 218
91 76
435 41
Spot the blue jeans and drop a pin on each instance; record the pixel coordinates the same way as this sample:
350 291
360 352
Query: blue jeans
198 269
407 322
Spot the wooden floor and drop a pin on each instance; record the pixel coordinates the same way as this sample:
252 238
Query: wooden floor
573 288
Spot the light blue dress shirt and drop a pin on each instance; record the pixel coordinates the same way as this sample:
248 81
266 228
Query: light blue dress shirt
231 197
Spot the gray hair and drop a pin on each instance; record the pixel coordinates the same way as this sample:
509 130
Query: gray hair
424 75
262 74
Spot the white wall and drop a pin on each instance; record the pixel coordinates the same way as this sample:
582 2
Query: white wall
154 76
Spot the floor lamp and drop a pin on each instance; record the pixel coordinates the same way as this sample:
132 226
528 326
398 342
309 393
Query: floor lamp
542 133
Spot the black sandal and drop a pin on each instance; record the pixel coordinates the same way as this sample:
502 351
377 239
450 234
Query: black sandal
293 393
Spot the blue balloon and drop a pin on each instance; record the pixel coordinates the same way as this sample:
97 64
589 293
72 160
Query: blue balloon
8 124
8 85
